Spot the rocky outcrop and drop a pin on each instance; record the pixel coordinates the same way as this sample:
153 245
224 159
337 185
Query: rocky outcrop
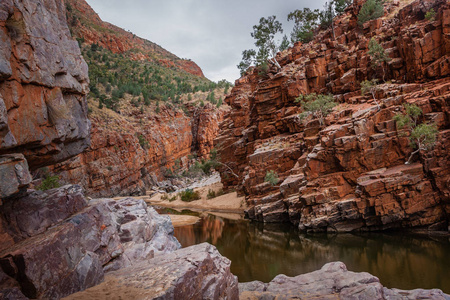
196 272
43 83
332 281
126 158
87 25
77 242
348 174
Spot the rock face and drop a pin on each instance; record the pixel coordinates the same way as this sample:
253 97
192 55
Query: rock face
43 83
348 174
55 244
196 272
332 281
124 160
81 17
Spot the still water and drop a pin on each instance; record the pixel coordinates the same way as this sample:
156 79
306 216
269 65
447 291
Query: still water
262 251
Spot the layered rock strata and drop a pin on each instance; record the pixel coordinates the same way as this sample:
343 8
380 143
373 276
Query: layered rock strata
125 158
43 83
348 174
332 281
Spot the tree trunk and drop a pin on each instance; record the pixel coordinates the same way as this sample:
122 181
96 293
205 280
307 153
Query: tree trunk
411 156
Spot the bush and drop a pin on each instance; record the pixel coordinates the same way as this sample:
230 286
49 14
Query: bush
430 15
213 194
317 105
422 136
189 195
49 182
371 9
271 177
142 141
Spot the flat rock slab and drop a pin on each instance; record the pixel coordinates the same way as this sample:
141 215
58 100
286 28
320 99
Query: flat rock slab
196 272
333 281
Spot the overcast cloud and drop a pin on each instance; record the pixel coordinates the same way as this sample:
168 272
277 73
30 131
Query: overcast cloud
211 33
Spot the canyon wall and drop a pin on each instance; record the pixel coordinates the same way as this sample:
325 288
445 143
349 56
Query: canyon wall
128 155
349 174
43 84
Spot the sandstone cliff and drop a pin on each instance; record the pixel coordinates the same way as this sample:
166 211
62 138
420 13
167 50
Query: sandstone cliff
128 155
349 174
43 84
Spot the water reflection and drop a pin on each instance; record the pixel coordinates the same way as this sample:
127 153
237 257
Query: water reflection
261 251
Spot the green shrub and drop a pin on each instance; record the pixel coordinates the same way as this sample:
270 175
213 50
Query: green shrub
142 141
189 195
422 136
430 15
213 194
271 177
370 10
317 105
49 182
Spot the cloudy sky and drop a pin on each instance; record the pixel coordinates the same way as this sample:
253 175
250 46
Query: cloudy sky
210 32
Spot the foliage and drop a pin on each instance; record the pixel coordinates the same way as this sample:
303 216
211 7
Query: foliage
422 136
284 43
369 86
271 177
213 194
326 16
49 182
264 34
370 10
189 195
317 104
305 21
142 141
341 5
377 55
430 15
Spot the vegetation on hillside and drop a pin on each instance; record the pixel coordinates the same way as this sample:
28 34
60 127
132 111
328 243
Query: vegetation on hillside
317 105
306 23
114 75
370 10
422 136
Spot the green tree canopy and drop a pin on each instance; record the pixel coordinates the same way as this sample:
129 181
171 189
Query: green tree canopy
422 136
370 10
305 22
264 34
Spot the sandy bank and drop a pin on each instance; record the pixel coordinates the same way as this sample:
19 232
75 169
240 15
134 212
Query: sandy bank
226 203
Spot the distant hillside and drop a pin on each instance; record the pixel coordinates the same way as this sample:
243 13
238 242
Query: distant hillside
86 26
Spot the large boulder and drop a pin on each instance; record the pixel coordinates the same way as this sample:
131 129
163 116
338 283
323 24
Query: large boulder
196 272
332 281
68 253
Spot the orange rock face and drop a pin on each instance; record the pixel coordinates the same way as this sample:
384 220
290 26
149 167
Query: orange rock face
348 174
43 85
86 24
126 158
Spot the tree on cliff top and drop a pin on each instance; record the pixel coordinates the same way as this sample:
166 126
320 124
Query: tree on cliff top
370 10
422 136
264 34
305 22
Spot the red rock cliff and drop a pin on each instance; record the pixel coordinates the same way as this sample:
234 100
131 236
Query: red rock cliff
43 84
349 174
128 155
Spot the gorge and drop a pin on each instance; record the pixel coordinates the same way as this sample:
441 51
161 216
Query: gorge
109 114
